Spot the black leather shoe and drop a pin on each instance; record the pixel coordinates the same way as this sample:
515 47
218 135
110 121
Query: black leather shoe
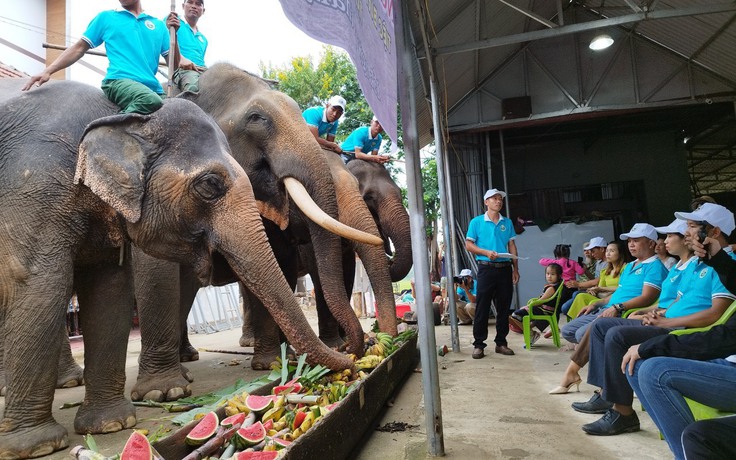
504 350
613 423
595 405
478 353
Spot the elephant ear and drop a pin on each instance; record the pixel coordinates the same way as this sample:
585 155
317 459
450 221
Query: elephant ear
111 162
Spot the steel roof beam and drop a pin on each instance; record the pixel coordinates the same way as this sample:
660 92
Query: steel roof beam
557 31
529 14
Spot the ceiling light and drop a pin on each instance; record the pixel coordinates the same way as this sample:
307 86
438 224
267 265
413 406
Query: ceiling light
601 42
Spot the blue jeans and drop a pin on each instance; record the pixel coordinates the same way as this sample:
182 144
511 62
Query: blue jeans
575 329
663 383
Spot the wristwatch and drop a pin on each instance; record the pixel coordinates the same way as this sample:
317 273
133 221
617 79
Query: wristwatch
619 307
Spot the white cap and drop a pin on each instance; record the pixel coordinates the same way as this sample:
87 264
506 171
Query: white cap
493 191
337 101
641 230
375 119
714 214
677 226
466 272
595 242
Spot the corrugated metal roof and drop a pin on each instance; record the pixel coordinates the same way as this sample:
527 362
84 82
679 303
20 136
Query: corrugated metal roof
7 71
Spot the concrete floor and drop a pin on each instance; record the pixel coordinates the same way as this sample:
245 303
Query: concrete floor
493 408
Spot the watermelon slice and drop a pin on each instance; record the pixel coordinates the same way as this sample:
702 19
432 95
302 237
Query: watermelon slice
259 403
137 448
292 386
272 455
204 430
281 443
249 436
268 425
298 419
233 420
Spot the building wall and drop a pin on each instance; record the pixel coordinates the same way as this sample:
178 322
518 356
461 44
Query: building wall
24 27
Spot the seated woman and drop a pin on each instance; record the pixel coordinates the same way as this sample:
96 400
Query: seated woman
617 255
675 243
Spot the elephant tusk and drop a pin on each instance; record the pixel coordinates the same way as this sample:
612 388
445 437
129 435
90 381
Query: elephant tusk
305 202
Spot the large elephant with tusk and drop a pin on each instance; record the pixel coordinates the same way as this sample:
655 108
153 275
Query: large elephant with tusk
78 184
298 203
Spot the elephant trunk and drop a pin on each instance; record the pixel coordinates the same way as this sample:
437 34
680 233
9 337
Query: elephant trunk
394 223
253 261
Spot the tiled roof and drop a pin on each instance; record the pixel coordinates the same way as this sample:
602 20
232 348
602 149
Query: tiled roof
7 71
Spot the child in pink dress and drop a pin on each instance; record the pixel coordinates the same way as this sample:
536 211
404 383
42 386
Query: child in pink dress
570 268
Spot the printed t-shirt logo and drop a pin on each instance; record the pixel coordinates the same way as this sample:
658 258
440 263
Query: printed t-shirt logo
200 38
638 271
703 273
150 24
502 227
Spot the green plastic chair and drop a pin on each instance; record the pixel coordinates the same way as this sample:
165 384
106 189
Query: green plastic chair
551 318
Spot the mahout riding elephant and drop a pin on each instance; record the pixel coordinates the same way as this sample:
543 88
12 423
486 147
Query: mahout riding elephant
361 186
78 183
271 141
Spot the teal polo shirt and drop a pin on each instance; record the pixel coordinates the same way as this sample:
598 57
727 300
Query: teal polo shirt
132 44
650 272
699 286
192 45
361 138
315 116
491 236
671 283
461 292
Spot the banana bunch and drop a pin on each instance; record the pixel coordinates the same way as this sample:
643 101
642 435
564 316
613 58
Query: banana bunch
337 391
369 362
276 412
306 424
236 405
376 350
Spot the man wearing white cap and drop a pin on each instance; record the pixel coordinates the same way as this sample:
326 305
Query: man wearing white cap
323 121
491 238
639 285
597 248
465 297
363 144
698 300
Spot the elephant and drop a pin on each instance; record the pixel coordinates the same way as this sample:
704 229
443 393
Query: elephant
80 184
270 140
359 184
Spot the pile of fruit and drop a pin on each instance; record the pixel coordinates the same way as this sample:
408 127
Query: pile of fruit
262 427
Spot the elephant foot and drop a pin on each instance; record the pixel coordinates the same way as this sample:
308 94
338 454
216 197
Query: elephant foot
72 377
108 419
188 353
167 386
36 441
186 373
247 340
262 359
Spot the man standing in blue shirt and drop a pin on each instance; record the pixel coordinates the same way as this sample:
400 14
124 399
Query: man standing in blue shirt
192 47
363 144
133 41
323 121
491 238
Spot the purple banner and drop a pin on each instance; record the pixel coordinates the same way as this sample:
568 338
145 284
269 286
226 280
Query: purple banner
365 29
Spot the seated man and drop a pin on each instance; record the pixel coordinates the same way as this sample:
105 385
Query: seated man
595 249
465 297
702 299
639 285
363 144
323 121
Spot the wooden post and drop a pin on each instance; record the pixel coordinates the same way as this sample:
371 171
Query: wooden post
172 50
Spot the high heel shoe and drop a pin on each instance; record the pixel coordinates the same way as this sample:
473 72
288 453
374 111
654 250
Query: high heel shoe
560 390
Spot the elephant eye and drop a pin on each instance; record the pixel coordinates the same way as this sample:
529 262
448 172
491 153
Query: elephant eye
255 117
210 186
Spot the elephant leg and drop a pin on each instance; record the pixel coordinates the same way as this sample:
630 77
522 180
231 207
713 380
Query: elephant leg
158 297
247 339
106 314
3 387
267 335
70 374
188 291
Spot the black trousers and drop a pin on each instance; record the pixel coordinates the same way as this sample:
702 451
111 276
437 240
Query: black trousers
710 439
494 285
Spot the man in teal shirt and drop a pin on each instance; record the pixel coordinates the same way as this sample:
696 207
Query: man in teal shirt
133 41
323 121
192 47
491 238
363 144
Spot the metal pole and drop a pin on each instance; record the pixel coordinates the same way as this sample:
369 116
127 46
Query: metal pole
425 315
506 189
172 52
489 170
447 221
